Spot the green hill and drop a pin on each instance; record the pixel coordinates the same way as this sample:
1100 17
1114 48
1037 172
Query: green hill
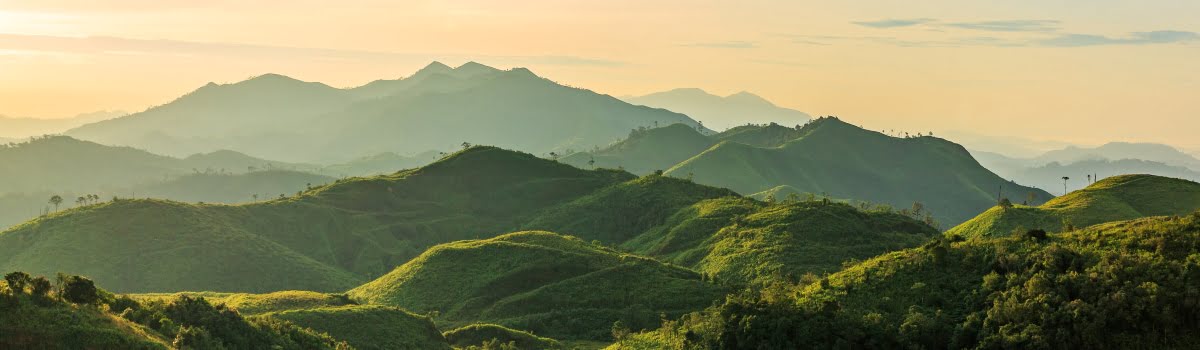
479 334
646 150
437 108
327 239
1129 284
26 324
844 161
369 326
767 136
1112 199
547 283
748 242
620 212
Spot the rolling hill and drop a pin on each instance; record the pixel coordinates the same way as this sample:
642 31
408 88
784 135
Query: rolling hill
550 284
1116 198
844 161
721 112
826 157
329 238
286 119
1128 284
380 164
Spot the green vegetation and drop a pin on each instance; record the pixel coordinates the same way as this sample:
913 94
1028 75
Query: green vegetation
827 157
328 239
480 334
232 188
1112 199
72 313
369 326
550 284
741 241
1128 284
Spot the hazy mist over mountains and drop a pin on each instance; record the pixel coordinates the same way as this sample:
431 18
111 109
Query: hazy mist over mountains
13 128
719 112
277 117
970 176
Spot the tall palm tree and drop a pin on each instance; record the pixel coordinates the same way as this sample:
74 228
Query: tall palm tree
1065 178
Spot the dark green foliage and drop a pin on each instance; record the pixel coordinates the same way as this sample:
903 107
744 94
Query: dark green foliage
1121 285
193 321
478 334
80 290
17 281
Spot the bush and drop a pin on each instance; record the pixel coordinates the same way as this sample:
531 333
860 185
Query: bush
80 290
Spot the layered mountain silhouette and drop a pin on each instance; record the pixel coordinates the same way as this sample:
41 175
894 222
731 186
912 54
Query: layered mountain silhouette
827 158
438 107
719 112
13 129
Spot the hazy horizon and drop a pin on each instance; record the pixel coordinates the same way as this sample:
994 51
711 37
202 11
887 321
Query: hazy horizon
1029 69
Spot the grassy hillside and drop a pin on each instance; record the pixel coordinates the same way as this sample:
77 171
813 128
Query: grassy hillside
327 239
767 136
748 242
646 150
479 334
550 284
844 161
1116 198
1129 284
620 212
26 323
369 326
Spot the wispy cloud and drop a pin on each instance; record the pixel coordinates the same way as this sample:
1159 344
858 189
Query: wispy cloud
894 23
731 44
1139 38
1020 25
101 45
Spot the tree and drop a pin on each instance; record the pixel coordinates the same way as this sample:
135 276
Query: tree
80 290
1065 178
56 200
17 281
40 287
554 156
466 145
1005 203
592 162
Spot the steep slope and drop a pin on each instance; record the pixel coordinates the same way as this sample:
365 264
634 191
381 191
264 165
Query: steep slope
1116 198
437 108
550 284
1120 285
721 112
844 161
326 239
646 150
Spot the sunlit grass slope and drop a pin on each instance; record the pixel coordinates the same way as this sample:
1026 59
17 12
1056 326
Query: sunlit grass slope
1111 199
369 326
750 242
327 239
478 334
550 284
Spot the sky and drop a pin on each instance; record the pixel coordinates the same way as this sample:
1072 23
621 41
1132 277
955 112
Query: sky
1065 70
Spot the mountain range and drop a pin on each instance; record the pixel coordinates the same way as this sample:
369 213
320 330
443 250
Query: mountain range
719 112
281 118
1081 165
826 157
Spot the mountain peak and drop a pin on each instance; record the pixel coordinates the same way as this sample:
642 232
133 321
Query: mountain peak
747 97
434 67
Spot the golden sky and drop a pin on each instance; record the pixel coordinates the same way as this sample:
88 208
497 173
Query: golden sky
1078 71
